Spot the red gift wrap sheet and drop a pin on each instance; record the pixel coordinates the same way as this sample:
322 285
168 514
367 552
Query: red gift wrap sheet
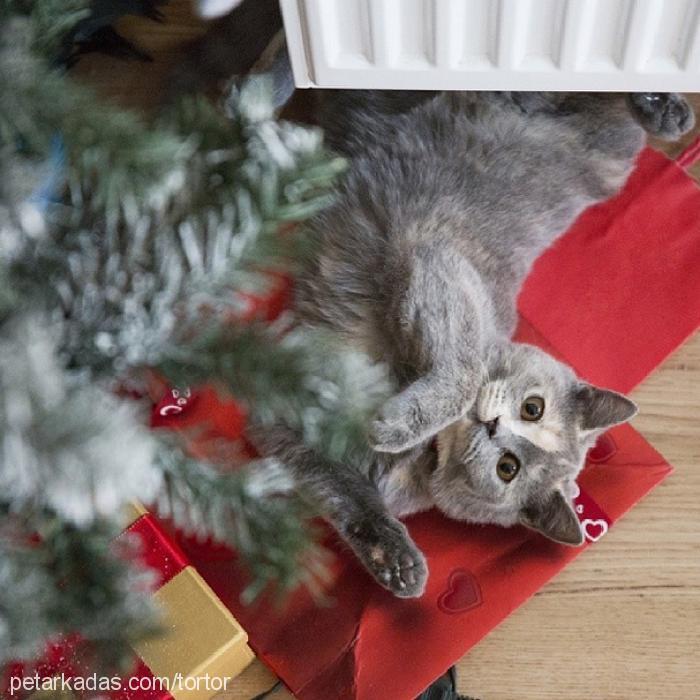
613 298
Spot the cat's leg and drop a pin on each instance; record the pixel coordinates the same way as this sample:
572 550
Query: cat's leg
423 409
354 120
352 503
610 122
438 315
607 131
604 128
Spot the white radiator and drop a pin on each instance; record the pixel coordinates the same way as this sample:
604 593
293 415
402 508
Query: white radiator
627 45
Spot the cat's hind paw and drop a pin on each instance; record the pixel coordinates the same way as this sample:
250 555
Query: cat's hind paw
666 115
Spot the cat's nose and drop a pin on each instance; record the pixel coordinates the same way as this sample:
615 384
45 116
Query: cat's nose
492 426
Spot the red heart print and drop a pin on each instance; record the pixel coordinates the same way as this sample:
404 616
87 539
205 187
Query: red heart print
594 529
603 450
462 593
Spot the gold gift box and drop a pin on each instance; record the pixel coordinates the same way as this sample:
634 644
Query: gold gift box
200 637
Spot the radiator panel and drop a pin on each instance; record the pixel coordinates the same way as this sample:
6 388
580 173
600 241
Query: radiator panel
630 45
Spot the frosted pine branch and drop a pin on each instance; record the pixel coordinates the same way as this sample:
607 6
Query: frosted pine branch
126 245
71 581
75 449
254 510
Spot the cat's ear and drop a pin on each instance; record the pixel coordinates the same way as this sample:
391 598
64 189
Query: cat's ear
554 518
600 409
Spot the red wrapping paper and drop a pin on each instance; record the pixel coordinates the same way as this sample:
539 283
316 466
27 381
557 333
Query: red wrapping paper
613 298
368 644
157 549
620 291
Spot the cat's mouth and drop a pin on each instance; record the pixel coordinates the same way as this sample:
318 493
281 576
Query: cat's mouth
434 456
484 416
490 426
461 441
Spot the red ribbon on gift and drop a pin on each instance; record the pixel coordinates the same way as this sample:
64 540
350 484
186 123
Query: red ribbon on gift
157 550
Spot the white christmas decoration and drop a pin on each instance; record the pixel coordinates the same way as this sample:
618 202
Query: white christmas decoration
210 9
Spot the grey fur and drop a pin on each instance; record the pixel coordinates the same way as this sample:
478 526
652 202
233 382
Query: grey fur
449 200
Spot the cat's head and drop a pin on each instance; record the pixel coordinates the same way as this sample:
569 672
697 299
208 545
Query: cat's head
515 456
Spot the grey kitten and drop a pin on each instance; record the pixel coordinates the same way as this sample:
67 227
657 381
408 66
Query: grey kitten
449 200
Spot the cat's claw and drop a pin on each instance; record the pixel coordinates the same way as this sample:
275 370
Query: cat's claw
391 557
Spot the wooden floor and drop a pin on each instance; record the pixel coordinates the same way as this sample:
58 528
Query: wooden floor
620 623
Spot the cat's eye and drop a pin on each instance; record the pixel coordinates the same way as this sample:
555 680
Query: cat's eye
508 467
532 408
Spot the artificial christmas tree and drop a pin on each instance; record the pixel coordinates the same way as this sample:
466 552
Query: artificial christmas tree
130 251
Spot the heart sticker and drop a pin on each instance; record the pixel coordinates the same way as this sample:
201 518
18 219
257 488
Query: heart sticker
462 593
603 450
594 529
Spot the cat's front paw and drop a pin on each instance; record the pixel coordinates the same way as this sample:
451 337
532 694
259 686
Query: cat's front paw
388 553
410 418
391 436
400 425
